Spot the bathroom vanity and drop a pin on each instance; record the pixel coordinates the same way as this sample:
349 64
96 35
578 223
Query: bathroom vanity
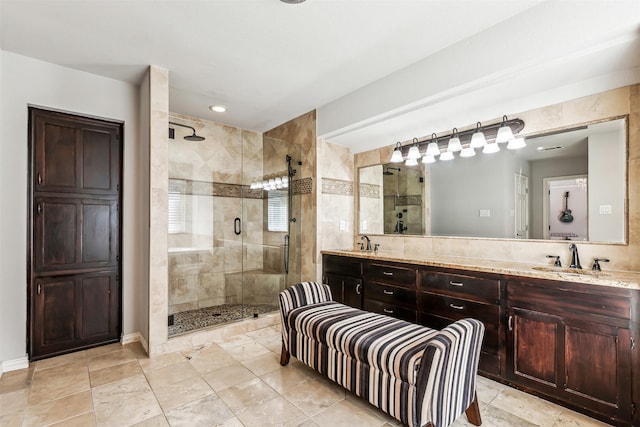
567 336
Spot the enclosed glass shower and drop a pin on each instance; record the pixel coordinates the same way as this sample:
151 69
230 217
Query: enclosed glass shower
234 223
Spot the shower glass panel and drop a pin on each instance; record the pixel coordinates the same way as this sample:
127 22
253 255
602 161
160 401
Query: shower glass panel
228 239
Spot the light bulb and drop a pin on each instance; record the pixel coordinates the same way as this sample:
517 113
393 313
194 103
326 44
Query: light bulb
428 158
516 143
447 155
491 148
467 152
432 149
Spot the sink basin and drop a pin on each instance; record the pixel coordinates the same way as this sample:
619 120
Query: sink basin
565 270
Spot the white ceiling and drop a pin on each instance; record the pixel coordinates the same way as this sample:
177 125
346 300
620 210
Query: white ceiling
364 64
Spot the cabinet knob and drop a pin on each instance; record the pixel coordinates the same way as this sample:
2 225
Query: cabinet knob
387 273
387 311
358 287
39 179
386 292
457 307
456 283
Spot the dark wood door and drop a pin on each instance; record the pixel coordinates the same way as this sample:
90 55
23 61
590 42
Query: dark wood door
584 363
75 232
345 289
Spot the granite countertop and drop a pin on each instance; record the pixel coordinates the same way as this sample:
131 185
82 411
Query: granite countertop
618 279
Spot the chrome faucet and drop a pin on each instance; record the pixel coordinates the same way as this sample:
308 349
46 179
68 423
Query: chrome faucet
363 237
575 260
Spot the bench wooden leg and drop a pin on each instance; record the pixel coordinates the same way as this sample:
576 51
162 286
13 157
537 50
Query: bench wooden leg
284 355
473 412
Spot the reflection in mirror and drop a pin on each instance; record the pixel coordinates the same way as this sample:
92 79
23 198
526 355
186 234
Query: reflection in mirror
569 185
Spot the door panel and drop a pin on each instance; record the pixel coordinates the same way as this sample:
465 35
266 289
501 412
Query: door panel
57 146
73 233
55 233
98 318
96 160
98 219
535 346
57 304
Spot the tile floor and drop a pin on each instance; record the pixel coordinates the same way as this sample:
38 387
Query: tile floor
237 382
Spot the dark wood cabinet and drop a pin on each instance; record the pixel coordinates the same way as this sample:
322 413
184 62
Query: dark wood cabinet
74 310
74 232
390 288
572 345
344 277
447 296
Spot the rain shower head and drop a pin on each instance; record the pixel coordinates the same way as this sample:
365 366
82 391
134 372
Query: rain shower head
388 172
192 137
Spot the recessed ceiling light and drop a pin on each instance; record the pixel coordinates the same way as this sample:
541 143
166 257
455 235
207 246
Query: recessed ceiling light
218 108
292 1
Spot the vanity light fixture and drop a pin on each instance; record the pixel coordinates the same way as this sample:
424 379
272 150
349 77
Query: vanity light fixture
414 151
516 143
428 158
396 157
505 133
486 137
454 142
467 152
490 148
433 149
477 139
447 155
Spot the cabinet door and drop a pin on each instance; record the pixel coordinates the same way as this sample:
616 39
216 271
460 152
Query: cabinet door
75 233
598 367
334 281
345 289
352 288
536 349
77 310
75 155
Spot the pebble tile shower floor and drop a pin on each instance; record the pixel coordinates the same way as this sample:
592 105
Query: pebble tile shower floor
190 320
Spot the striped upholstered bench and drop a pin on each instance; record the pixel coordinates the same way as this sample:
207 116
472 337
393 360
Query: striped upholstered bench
420 376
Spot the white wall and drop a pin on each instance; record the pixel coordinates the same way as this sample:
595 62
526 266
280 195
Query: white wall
607 173
25 81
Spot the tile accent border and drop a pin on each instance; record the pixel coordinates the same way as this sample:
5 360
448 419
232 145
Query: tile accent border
371 191
221 189
337 186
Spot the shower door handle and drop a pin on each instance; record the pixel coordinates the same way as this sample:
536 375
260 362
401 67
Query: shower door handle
237 226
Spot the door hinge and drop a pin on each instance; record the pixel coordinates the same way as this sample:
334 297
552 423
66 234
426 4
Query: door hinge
633 408
633 343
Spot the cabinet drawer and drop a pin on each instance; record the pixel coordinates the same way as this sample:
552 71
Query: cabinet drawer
438 311
390 310
600 307
463 286
342 265
391 294
401 276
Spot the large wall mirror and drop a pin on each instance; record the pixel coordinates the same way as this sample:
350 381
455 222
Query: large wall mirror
568 185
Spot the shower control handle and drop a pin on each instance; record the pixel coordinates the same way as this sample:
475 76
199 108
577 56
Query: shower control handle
237 226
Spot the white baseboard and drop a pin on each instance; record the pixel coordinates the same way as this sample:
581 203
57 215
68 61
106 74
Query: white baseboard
14 364
135 337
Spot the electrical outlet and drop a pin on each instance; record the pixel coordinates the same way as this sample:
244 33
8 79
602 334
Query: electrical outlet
485 212
364 225
605 210
343 225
